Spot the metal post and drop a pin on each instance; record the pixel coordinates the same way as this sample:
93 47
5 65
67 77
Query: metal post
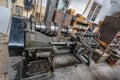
40 10
51 6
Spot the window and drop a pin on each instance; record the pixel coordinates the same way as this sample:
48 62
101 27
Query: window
94 11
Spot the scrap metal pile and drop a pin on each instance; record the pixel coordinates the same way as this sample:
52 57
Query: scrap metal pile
114 59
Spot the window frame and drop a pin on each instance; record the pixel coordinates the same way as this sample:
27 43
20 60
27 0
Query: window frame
94 11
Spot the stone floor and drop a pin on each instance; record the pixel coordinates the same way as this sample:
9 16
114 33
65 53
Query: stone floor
100 71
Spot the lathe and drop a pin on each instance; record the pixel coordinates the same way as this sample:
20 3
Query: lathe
38 57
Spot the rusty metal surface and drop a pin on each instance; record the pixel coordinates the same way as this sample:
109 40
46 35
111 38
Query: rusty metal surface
38 67
58 17
109 28
62 19
67 20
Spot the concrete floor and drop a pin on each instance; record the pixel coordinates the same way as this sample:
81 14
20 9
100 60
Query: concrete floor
100 71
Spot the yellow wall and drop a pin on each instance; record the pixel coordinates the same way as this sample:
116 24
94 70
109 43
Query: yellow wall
4 3
21 3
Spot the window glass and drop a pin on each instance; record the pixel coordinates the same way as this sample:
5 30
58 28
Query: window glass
95 9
